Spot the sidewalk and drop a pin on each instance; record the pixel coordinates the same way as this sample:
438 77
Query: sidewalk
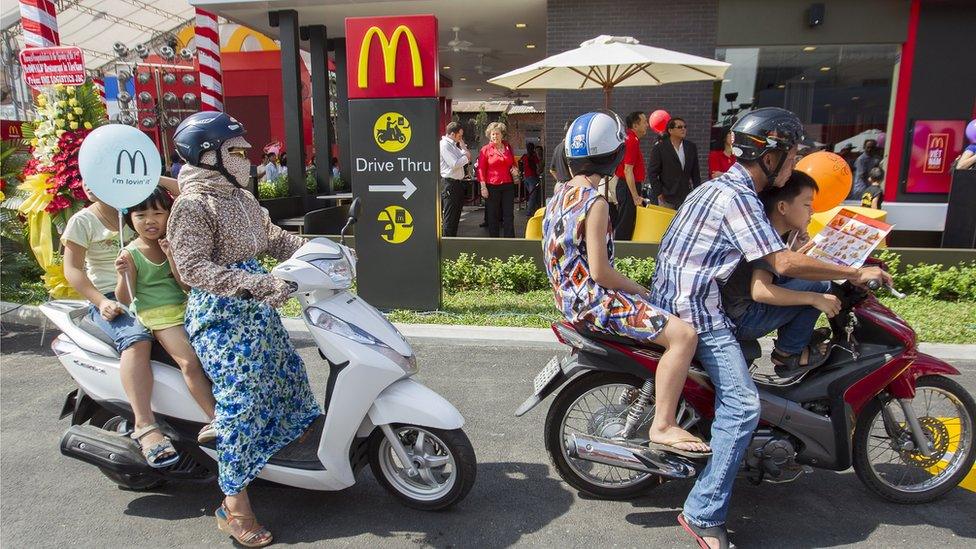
31 316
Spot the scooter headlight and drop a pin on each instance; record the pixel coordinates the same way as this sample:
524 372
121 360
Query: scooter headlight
338 270
331 323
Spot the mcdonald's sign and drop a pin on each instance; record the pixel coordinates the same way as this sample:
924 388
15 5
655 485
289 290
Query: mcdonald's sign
390 57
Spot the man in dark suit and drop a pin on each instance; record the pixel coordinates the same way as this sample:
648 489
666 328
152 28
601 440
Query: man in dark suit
673 167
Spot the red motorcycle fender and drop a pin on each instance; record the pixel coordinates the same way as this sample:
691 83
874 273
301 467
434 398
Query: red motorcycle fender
903 386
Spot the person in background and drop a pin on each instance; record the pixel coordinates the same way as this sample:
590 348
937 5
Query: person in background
530 178
966 160
847 153
269 170
870 158
674 170
283 164
719 161
558 167
335 167
630 177
454 157
496 173
175 164
873 195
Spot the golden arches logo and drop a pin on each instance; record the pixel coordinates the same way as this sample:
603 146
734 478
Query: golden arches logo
388 47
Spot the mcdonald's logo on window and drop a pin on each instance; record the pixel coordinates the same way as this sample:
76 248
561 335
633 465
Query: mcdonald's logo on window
392 56
936 152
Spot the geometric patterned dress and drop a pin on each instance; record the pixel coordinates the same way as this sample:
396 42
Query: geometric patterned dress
577 295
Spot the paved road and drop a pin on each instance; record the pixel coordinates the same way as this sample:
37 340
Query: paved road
52 501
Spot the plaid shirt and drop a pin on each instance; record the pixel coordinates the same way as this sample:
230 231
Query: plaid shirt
719 223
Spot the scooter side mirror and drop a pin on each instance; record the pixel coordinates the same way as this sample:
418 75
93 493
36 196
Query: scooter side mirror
355 209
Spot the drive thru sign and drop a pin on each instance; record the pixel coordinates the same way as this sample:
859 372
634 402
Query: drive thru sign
393 118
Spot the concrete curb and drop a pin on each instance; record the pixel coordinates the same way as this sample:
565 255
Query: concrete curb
30 315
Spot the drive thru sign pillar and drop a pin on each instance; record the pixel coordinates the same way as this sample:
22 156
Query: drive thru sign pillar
393 85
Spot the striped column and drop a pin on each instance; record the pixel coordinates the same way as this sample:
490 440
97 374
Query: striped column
208 54
39 18
99 83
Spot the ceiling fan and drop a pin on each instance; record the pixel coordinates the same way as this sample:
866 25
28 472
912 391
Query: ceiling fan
514 96
481 68
462 46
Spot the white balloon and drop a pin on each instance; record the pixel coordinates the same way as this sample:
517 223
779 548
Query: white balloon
119 164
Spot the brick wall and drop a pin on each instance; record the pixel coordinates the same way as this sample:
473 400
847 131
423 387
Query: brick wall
688 26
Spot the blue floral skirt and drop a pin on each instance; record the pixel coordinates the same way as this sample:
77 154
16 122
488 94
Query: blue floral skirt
263 397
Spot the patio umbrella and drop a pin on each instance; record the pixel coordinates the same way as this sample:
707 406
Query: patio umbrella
606 62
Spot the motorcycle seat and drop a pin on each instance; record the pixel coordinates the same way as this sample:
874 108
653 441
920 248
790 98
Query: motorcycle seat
589 333
158 353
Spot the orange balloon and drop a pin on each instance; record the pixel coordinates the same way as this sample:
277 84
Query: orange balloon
832 175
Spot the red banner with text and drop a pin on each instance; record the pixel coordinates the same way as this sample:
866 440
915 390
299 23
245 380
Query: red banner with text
54 65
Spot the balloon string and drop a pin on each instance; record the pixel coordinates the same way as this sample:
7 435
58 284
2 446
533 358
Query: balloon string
125 276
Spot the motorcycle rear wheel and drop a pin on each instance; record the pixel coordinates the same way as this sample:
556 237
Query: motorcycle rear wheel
126 481
883 460
445 460
616 483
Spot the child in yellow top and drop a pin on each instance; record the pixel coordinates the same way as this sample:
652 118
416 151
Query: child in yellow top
157 295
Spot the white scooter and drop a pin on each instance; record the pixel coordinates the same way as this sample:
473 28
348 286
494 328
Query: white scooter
373 411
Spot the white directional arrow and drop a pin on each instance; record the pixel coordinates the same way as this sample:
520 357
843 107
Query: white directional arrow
407 188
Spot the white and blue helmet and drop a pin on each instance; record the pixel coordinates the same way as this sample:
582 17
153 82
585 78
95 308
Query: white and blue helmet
595 143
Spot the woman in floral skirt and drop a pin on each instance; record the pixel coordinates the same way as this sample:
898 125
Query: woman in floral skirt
216 231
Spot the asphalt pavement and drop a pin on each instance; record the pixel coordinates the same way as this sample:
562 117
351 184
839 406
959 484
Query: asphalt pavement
48 500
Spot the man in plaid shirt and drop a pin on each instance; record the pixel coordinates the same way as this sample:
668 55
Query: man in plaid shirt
720 224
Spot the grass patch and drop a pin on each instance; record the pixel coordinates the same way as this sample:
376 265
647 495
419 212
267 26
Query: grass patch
934 321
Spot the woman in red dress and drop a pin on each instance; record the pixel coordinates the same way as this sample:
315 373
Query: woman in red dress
720 161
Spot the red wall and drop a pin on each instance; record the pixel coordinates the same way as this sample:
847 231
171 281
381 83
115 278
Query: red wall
258 74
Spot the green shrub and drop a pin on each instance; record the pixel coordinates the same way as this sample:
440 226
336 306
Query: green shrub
935 281
515 274
311 185
640 270
275 188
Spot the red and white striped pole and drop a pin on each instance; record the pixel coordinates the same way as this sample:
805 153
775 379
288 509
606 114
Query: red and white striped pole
39 19
208 54
99 83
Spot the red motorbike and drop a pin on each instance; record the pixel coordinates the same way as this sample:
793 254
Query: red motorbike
877 404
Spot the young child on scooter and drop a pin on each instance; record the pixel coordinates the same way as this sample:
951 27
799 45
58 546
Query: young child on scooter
758 300
152 285
578 249
91 242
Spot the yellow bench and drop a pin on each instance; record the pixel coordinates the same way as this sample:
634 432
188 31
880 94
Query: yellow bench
651 223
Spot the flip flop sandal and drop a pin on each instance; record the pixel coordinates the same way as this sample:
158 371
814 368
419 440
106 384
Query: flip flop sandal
820 335
672 449
159 455
718 532
257 536
207 434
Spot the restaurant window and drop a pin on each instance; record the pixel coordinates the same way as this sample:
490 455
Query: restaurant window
840 92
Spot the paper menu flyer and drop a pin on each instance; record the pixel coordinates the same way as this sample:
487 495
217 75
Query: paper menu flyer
848 239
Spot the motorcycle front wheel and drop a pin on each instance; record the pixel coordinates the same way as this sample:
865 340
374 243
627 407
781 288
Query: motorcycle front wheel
444 460
597 403
886 459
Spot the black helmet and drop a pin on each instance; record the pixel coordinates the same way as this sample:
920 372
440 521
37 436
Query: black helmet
767 129
595 143
204 131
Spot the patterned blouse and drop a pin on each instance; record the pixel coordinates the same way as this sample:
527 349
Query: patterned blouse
577 295
215 224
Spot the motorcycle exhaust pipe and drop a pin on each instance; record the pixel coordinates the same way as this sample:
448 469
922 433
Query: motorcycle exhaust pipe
104 449
618 453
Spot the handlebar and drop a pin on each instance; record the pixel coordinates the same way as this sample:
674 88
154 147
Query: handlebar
875 285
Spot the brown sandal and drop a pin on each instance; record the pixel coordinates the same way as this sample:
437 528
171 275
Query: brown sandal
229 523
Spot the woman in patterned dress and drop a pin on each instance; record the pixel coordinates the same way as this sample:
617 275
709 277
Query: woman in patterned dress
216 230
578 248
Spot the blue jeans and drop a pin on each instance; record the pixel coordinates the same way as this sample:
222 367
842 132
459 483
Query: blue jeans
794 324
124 329
736 417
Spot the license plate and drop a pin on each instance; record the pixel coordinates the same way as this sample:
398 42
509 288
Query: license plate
549 373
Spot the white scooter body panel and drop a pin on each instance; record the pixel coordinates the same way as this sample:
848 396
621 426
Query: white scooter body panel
409 401
99 377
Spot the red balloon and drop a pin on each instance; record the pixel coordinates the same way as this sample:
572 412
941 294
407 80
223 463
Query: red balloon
658 121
